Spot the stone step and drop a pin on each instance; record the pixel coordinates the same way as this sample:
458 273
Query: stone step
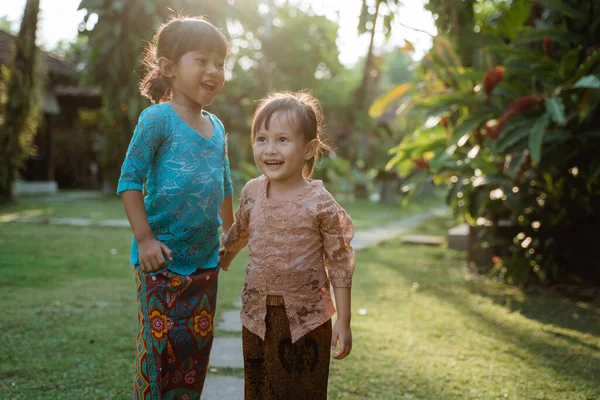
227 353
223 388
458 237
115 223
231 322
374 236
425 240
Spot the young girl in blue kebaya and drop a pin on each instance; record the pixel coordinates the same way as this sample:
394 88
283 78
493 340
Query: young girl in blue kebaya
179 152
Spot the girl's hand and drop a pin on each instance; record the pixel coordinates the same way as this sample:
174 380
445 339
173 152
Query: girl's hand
224 260
342 333
152 255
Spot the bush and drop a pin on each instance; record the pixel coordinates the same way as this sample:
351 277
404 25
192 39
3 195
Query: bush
519 141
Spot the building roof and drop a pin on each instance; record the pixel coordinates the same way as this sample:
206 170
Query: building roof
55 66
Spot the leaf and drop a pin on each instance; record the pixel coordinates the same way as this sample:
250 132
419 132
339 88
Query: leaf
513 19
445 51
588 104
468 125
512 135
484 61
387 24
563 7
379 106
588 64
536 137
441 158
442 102
556 109
408 47
365 16
568 65
532 35
589 81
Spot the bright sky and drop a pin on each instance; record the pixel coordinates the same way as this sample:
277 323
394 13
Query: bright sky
59 19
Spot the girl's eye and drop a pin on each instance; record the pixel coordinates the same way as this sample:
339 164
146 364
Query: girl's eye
201 60
261 139
283 139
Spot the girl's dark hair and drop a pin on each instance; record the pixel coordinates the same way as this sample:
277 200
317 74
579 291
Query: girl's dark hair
303 111
172 40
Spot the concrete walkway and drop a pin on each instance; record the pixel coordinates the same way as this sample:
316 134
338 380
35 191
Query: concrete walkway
227 350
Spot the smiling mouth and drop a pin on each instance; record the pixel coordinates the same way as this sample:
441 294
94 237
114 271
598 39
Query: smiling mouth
273 164
209 87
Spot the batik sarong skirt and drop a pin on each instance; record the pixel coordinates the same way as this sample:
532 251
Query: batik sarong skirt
175 315
277 369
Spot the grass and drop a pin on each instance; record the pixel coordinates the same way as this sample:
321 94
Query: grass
103 207
364 213
69 324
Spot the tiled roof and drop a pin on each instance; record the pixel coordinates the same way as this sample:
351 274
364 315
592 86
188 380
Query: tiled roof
55 66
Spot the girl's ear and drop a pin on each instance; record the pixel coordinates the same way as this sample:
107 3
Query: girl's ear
311 149
166 67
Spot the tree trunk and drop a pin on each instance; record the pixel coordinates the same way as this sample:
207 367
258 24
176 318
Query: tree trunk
22 107
362 90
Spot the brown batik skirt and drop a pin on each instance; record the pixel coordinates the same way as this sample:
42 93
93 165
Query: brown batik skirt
276 368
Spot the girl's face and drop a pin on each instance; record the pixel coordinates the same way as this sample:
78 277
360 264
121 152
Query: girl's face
198 77
280 152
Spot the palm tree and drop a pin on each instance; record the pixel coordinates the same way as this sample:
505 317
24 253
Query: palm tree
21 112
368 23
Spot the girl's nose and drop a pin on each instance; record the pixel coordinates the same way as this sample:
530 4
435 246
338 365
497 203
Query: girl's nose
270 148
212 69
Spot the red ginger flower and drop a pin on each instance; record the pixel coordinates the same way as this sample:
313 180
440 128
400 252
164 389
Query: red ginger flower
492 79
494 127
547 46
421 163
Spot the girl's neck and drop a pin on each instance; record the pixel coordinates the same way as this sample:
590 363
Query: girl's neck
286 190
182 103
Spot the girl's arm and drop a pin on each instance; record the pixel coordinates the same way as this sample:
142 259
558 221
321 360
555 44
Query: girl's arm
337 231
146 140
227 213
237 237
150 250
341 330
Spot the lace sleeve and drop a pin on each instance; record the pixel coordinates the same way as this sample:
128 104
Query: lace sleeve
146 140
237 237
337 231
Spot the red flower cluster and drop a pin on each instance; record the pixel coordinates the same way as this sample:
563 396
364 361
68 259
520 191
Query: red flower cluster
547 46
494 127
421 163
491 80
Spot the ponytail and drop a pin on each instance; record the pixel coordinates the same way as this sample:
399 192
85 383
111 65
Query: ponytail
155 86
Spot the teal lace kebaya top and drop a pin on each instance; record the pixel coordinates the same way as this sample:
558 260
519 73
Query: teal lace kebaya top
187 177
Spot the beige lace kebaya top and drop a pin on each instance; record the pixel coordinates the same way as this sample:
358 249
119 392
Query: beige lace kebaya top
296 249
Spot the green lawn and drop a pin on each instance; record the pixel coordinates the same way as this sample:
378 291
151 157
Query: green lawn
365 214
69 324
102 208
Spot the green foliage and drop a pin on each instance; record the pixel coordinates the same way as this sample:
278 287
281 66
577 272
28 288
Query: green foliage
519 143
310 52
21 108
7 25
